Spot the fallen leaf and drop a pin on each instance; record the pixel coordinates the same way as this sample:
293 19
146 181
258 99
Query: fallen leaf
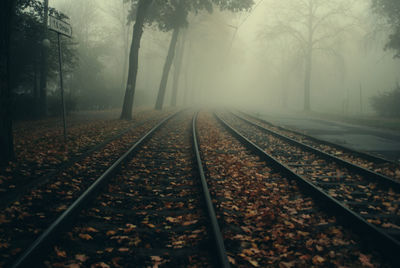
318 259
100 265
85 236
231 260
81 257
151 225
286 264
253 262
60 253
365 260
186 223
91 230
111 232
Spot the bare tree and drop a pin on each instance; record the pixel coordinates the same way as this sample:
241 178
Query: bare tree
312 25
141 12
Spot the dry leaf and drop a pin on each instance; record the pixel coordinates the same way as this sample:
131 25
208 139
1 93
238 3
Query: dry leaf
253 262
318 259
81 257
60 253
365 260
85 236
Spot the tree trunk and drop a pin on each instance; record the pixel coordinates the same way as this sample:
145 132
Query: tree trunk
143 6
36 91
44 65
125 68
307 82
7 9
177 71
308 59
125 40
167 68
187 68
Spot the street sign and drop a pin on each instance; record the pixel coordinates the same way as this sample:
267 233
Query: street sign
60 27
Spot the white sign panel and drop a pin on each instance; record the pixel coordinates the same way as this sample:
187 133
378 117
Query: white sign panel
60 27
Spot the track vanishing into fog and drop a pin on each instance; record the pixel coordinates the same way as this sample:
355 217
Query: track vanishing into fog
194 192
156 210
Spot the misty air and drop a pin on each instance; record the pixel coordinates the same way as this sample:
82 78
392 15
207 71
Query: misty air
199 133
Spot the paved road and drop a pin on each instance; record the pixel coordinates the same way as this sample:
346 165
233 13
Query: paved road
385 143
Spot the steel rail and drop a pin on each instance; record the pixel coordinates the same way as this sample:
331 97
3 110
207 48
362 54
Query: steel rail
368 174
14 195
219 242
31 254
366 156
380 240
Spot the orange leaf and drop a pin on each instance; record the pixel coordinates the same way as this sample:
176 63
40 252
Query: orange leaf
231 260
85 236
111 232
81 257
186 223
318 259
253 262
91 230
365 260
100 265
60 253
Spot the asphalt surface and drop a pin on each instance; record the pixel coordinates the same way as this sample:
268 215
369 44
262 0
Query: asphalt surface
381 142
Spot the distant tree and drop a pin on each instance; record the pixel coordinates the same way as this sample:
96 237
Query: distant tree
168 15
177 69
314 25
387 104
174 16
390 10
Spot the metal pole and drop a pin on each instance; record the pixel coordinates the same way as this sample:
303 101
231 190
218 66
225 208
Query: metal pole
41 108
62 90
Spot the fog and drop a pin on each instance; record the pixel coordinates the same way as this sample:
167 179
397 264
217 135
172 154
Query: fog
246 59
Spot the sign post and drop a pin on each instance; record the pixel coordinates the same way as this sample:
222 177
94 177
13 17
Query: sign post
61 28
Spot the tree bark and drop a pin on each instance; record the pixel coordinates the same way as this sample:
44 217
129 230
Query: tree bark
308 60
307 82
143 6
7 9
167 68
44 65
177 71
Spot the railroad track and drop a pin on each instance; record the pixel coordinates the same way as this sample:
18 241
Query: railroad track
374 163
24 185
366 201
151 207
30 211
